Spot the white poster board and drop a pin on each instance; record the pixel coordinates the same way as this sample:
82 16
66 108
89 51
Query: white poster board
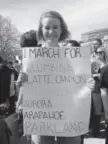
56 100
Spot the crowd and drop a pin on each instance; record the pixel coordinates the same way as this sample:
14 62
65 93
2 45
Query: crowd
53 32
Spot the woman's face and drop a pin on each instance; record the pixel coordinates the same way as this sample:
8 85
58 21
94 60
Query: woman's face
96 45
51 29
100 54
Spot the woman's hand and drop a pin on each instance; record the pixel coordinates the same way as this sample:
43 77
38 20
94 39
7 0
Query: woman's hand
23 77
95 65
90 83
18 109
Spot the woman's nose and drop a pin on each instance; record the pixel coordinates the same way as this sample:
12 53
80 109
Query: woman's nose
51 31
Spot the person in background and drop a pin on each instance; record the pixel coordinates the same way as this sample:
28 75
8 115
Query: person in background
5 132
72 43
96 44
104 94
12 97
5 76
96 103
96 107
28 39
105 42
102 56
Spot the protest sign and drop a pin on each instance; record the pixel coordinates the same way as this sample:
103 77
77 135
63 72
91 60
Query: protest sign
56 100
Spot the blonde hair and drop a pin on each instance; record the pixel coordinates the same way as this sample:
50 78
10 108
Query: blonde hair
64 29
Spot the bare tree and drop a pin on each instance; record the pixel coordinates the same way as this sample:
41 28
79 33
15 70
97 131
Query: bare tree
9 36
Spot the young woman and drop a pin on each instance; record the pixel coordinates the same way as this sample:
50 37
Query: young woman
104 94
97 43
101 55
97 99
53 30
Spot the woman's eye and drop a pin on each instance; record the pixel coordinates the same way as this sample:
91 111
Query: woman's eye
55 27
47 28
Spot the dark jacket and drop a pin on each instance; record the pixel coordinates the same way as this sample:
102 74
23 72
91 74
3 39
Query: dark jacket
104 77
5 132
5 77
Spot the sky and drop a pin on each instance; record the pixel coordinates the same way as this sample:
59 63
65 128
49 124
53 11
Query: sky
80 15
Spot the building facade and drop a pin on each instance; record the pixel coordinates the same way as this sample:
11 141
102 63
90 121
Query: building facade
89 36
